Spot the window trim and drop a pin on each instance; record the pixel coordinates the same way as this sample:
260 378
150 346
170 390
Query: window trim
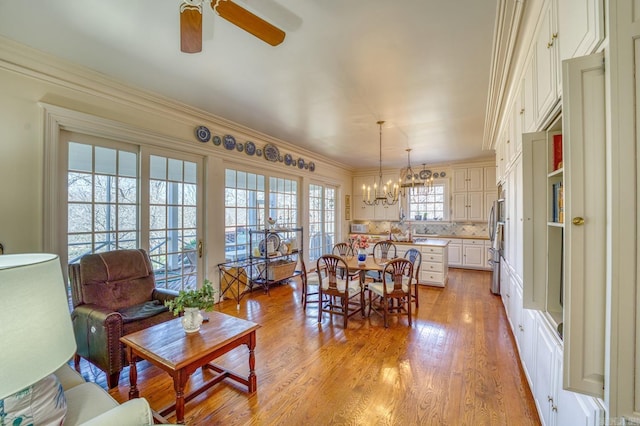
447 203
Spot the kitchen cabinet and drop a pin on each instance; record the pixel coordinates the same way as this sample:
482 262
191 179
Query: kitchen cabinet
546 61
473 254
468 179
454 252
487 255
435 268
468 207
469 195
582 24
529 111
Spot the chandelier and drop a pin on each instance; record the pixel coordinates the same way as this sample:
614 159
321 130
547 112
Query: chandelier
385 194
411 179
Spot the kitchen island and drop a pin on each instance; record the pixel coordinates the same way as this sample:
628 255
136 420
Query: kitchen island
434 269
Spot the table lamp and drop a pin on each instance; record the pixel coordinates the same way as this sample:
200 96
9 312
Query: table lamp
35 324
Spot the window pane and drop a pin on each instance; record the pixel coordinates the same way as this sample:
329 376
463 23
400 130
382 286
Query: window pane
80 157
175 170
127 190
105 160
190 172
128 165
158 192
79 217
79 186
157 167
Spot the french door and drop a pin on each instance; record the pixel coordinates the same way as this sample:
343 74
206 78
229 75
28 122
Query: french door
121 195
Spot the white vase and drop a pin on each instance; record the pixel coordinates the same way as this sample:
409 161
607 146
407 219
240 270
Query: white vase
191 320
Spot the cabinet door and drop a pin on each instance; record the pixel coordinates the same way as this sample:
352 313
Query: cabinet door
459 206
459 180
585 232
582 24
527 352
529 110
455 254
475 178
489 198
475 207
473 255
546 60
543 383
490 184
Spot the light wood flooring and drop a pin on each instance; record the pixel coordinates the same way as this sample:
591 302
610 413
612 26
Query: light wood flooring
457 365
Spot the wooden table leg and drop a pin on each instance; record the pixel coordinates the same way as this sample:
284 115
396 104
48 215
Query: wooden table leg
253 381
133 375
179 382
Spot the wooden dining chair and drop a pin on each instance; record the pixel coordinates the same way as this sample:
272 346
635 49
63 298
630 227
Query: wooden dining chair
382 251
310 285
342 250
392 296
415 257
338 296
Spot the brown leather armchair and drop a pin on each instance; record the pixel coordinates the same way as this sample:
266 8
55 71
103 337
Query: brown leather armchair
113 294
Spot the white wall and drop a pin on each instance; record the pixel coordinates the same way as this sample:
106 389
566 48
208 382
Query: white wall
28 79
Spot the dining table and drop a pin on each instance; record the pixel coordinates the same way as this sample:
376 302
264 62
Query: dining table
370 264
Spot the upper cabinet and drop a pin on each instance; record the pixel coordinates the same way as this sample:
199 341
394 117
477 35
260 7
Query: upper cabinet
582 26
469 196
545 57
468 179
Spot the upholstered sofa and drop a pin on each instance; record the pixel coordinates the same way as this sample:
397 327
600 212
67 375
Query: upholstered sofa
113 294
90 405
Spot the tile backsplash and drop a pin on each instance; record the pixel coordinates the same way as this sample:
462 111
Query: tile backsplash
467 229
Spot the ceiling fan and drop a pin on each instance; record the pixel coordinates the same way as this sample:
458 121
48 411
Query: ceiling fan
191 23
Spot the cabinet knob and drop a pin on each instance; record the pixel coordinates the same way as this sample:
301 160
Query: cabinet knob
578 221
522 111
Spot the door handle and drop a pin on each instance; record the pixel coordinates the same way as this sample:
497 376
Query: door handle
578 221
200 248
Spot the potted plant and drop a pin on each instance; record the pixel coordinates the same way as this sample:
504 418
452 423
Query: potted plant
191 302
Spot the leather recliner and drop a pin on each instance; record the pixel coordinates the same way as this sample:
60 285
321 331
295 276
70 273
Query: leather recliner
113 294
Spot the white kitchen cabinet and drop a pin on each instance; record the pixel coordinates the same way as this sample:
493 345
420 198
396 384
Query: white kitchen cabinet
435 268
582 24
468 179
473 254
468 207
546 61
454 250
490 183
487 255
529 110
543 383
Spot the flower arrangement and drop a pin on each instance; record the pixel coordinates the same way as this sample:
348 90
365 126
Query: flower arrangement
360 241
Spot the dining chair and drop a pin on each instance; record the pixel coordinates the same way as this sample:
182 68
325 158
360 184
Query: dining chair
392 296
342 250
338 296
310 285
415 257
382 251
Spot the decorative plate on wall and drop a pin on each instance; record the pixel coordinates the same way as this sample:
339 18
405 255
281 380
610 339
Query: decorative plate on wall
312 166
203 134
300 163
239 147
271 152
229 142
288 159
216 140
250 148
259 152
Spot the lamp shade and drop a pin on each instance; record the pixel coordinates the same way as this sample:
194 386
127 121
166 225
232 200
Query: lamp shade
35 325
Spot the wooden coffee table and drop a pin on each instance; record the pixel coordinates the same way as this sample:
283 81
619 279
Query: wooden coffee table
180 354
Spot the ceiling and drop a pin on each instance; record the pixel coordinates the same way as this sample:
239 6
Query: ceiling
420 65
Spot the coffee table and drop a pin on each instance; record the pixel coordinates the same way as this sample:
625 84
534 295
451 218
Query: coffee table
169 347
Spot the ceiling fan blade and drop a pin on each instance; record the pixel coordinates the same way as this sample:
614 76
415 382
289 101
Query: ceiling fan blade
249 22
190 27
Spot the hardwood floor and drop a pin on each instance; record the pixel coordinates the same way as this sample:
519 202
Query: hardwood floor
457 365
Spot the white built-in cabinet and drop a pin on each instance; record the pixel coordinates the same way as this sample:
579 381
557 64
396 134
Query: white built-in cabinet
554 275
455 252
473 254
472 189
